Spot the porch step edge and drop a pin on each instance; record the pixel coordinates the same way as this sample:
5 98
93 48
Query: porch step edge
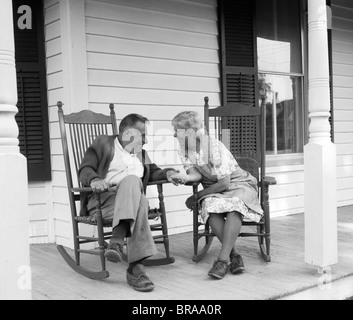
338 289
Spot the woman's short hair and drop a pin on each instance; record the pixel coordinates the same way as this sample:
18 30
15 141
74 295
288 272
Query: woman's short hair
188 120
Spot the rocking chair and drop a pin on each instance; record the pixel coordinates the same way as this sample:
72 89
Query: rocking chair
243 130
83 128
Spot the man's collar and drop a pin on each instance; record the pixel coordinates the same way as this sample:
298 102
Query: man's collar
118 144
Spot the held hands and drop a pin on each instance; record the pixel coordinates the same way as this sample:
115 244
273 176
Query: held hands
179 178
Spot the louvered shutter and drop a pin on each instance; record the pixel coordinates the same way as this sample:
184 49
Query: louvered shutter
239 73
32 117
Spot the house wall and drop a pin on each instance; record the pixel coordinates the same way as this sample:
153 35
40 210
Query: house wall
155 58
40 194
55 81
136 38
159 58
342 35
40 213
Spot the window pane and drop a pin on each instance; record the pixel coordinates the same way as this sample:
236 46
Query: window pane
281 96
279 35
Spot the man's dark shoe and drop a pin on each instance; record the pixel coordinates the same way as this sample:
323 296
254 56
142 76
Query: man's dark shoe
139 280
114 252
236 264
219 269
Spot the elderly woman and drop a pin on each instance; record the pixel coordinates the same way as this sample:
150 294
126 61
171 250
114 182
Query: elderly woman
230 194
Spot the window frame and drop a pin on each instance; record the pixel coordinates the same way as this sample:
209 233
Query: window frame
298 157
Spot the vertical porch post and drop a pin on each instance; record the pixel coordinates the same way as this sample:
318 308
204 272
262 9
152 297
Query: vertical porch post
15 274
320 152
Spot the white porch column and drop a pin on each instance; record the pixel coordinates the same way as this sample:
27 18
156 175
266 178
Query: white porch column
15 275
320 153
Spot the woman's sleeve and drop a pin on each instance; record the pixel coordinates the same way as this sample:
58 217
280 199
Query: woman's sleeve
186 162
222 160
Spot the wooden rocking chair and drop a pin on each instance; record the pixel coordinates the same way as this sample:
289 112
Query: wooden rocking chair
83 128
246 139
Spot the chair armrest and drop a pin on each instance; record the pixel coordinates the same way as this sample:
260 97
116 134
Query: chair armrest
192 184
269 181
156 183
81 190
88 189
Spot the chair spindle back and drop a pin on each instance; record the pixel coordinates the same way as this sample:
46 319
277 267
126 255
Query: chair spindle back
240 128
83 128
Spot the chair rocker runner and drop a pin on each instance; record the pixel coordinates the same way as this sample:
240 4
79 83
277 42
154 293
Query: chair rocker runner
243 130
83 128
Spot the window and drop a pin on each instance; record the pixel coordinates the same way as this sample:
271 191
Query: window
284 113
262 67
279 52
32 117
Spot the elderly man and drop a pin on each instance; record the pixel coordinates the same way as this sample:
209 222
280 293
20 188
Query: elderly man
120 169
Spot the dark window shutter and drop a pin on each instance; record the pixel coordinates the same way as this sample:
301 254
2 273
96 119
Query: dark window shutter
32 117
239 73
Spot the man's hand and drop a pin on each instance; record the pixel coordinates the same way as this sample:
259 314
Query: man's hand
190 202
170 174
180 178
98 185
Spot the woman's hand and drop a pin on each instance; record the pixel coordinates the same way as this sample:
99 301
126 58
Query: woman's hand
191 202
170 177
180 178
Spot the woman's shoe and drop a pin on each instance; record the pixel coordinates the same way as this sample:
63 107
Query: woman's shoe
236 264
219 269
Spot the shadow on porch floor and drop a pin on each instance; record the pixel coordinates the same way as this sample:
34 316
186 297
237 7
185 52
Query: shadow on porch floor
185 280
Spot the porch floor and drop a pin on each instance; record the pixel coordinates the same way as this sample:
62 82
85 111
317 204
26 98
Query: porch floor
185 280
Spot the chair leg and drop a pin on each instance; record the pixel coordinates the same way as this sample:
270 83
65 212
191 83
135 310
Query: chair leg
76 242
168 259
264 243
75 264
198 256
268 248
164 221
208 242
101 240
196 230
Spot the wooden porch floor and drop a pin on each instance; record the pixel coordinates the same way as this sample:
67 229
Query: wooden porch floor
185 280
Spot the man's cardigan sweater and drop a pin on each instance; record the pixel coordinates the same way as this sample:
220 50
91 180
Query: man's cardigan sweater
96 162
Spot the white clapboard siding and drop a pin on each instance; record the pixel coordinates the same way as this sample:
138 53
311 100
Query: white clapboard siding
343 96
156 58
287 197
40 212
55 82
40 193
159 58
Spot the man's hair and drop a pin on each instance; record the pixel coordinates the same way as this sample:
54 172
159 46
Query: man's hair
130 121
